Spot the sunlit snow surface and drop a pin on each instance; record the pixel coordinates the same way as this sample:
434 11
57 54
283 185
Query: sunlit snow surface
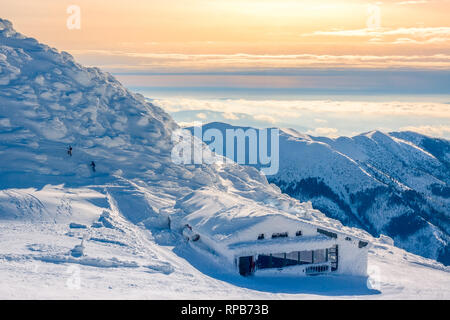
128 261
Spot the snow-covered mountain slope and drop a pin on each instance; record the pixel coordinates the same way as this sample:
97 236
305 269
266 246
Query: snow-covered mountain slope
395 184
67 231
123 260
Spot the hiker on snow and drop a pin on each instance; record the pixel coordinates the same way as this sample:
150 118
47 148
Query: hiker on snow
69 151
93 165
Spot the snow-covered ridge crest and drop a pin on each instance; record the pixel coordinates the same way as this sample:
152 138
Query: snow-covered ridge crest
6 25
47 97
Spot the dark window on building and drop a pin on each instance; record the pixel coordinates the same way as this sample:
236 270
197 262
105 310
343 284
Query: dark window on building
333 257
264 261
292 258
298 233
279 235
246 266
327 233
261 236
306 257
362 244
278 260
319 256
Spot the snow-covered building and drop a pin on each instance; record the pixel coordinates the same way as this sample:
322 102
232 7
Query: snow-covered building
261 240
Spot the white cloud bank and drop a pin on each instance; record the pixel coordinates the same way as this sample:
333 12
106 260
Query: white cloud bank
282 109
129 61
434 131
415 35
318 117
324 132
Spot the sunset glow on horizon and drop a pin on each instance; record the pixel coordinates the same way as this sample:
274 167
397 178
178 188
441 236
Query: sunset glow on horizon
265 62
270 33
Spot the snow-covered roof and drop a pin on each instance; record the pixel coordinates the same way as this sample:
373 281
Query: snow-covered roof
227 217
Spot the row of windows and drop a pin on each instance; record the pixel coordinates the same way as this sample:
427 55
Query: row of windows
279 235
299 233
361 244
279 260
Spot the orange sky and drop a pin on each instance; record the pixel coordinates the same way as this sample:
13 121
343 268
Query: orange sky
126 31
275 49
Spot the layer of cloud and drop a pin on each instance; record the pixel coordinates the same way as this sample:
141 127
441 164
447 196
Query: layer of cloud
402 3
230 116
320 121
318 118
434 131
277 110
371 32
129 61
324 132
416 35
202 116
265 118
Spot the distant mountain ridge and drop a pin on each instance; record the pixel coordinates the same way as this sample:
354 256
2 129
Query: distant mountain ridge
395 183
